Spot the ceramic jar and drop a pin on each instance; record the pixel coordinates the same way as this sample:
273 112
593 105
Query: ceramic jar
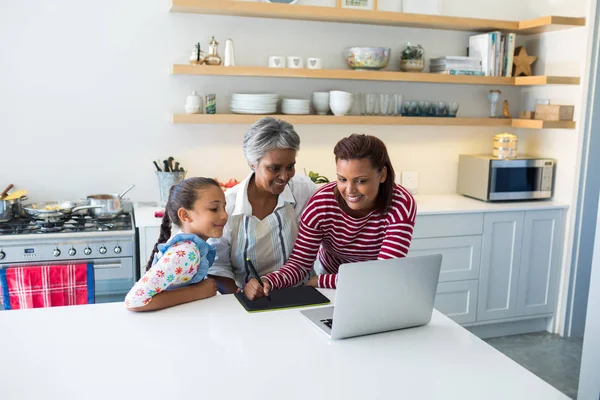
193 104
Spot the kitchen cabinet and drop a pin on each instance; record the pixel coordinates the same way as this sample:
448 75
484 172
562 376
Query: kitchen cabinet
520 264
148 237
461 255
540 262
458 300
500 258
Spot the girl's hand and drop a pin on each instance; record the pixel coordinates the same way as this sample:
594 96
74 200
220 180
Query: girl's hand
254 291
314 281
207 288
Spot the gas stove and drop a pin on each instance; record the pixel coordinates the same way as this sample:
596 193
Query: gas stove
107 243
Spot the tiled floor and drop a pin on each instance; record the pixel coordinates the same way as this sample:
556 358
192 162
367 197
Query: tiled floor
554 359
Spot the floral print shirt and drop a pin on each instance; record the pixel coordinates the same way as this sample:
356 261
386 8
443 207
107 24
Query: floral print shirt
180 262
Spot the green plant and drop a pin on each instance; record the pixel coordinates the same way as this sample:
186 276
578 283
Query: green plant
413 52
316 178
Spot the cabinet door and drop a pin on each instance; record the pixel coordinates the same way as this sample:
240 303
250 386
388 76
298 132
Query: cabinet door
457 300
540 262
461 255
500 257
148 237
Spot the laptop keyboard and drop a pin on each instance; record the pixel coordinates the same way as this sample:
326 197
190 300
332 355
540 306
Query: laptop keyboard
328 322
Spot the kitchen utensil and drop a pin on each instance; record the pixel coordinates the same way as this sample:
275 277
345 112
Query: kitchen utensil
165 181
158 168
170 161
166 166
109 205
6 211
3 195
54 209
367 58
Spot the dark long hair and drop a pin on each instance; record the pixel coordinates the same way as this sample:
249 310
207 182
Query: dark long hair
184 194
359 146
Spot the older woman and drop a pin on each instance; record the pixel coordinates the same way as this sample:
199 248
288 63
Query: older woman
264 209
362 216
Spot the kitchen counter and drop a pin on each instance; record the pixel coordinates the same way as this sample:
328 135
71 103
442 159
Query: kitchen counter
456 204
214 349
426 204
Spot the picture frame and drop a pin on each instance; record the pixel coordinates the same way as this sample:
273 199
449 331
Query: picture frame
358 4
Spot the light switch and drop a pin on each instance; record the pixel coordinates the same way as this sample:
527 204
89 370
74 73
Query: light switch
410 181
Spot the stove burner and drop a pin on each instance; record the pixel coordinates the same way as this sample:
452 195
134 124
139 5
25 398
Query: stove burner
77 223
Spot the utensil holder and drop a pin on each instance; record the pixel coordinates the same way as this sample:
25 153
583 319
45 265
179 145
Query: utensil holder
165 181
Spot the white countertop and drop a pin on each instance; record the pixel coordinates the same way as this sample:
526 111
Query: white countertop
456 204
426 204
213 349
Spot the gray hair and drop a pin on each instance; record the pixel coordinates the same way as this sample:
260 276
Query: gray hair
269 134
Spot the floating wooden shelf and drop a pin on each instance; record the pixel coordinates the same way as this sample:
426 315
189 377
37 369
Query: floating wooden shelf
538 124
369 120
348 74
331 14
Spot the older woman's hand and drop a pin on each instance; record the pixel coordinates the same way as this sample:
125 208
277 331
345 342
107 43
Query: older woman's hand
254 291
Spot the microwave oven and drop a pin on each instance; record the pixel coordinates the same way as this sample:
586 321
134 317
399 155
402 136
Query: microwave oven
492 179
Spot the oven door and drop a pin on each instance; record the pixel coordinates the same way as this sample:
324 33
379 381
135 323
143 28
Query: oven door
519 180
113 277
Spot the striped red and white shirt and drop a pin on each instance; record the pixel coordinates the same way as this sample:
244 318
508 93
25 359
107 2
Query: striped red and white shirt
337 238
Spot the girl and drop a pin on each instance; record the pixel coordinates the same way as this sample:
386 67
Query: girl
178 266
362 216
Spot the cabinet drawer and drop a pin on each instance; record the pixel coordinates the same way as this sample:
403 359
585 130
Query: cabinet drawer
440 225
458 300
461 255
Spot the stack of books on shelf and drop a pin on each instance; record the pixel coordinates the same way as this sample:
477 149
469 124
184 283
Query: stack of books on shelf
496 51
456 65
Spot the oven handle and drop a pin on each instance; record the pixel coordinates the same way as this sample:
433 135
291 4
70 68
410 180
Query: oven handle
107 265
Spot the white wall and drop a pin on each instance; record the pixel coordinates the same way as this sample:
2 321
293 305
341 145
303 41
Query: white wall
86 94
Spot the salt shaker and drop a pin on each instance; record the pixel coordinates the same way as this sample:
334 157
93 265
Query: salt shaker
229 56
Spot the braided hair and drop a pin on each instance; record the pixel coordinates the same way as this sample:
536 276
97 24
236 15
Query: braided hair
184 194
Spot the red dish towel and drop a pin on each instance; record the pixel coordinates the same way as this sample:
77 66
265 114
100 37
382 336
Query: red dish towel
47 286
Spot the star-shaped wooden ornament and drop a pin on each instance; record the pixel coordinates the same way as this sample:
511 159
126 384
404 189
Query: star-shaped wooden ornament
522 62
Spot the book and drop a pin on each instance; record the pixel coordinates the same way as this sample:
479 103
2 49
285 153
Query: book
510 53
455 66
480 46
459 72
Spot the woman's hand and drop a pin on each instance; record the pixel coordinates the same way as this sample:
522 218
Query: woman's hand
254 291
314 281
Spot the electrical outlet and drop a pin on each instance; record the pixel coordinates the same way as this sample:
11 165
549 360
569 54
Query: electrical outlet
410 181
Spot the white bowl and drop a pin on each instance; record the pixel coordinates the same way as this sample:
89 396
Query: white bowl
340 108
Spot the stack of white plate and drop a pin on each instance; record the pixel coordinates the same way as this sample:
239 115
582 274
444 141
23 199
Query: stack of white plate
295 106
254 103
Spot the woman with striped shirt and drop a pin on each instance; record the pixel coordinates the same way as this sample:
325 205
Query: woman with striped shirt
362 216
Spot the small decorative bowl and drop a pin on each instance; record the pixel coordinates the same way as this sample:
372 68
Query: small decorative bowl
412 65
367 58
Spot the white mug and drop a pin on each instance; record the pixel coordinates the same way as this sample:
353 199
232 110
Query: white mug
294 62
276 62
314 63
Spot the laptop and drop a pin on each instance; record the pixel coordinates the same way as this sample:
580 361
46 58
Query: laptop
379 296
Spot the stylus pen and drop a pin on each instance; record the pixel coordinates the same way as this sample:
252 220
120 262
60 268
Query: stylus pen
253 272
